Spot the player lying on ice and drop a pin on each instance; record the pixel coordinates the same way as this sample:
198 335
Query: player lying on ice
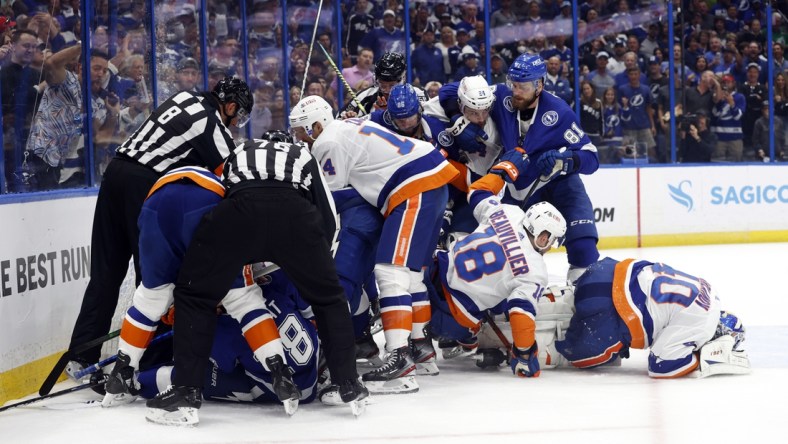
645 305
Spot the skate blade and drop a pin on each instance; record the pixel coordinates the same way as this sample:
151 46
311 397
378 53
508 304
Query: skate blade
373 362
427 369
405 384
456 352
291 405
358 407
183 417
114 400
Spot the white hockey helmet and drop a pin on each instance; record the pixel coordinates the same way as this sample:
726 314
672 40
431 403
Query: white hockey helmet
541 217
309 110
475 93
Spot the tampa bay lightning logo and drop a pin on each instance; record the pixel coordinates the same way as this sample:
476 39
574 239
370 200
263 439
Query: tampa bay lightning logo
678 194
507 103
387 118
637 100
445 138
550 118
612 121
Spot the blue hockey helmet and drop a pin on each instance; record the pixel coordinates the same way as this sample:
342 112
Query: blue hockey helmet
730 325
527 68
403 102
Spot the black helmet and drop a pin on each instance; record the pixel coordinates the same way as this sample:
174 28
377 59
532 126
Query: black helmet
390 67
277 136
233 89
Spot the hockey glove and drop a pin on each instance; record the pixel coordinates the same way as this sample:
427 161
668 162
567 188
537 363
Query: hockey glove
525 363
554 163
468 136
511 164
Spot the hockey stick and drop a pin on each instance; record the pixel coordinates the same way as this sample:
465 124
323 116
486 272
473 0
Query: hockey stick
342 78
53 395
60 365
311 47
101 364
488 317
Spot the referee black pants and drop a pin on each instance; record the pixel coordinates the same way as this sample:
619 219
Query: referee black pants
259 224
114 240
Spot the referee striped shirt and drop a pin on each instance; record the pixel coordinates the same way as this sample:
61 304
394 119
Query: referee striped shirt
258 162
185 130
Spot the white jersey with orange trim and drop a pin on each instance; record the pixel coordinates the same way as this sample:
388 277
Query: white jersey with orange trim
385 168
496 263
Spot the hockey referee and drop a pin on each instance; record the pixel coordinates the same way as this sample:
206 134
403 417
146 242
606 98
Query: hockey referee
188 129
277 209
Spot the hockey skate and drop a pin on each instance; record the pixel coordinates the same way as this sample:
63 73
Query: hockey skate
395 376
284 387
424 356
177 406
74 367
121 386
350 391
367 351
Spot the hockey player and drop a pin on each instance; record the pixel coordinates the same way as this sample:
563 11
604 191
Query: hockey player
405 180
186 129
280 211
646 305
404 115
236 374
500 266
168 219
389 72
547 130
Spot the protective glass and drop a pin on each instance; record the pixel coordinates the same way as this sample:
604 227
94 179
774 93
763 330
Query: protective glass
525 87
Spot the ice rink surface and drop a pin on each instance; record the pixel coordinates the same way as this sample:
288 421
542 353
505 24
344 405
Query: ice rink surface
465 404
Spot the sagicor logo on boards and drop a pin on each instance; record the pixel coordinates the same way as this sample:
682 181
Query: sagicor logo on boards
678 194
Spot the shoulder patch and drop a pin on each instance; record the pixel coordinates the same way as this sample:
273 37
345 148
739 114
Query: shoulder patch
387 118
445 138
507 103
549 118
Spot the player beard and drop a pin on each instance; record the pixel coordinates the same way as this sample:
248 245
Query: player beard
523 103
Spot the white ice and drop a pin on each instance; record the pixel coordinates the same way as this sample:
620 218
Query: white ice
465 404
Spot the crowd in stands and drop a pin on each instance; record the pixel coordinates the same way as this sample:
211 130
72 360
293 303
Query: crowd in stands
720 51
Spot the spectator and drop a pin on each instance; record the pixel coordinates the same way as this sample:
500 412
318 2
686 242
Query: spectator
468 19
498 69
262 120
611 124
600 78
359 24
455 52
56 135
556 84
503 16
186 78
20 85
449 50
780 62
132 114
699 98
590 112
637 114
470 66
714 54
385 38
761 133
754 95
697 142
264 29
651 42
630 61
427 60
432 89
729 107
361 71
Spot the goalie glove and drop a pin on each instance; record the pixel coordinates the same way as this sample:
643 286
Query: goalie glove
554 163
468 136
511 164
525 363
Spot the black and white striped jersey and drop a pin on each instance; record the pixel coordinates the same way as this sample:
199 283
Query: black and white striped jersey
260 163
185 130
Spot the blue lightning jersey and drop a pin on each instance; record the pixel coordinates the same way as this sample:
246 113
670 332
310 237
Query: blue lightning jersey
235 374
553 126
